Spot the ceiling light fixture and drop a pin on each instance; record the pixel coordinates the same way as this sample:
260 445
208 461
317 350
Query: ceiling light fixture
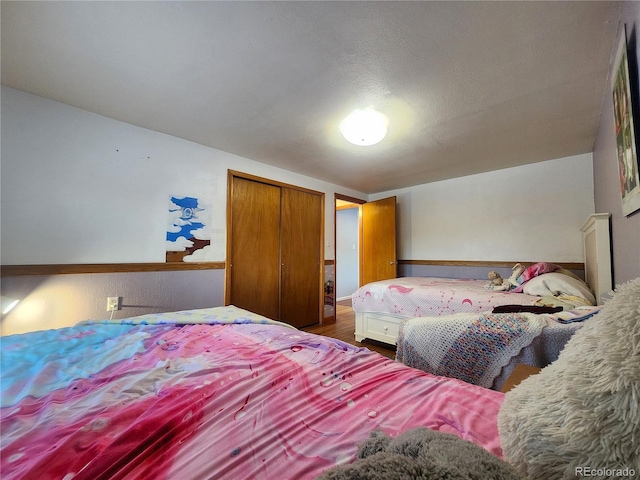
364 127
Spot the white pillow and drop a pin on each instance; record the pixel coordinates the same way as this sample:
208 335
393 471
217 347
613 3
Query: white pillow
557 284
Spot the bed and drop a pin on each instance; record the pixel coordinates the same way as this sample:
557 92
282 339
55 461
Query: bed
454 327
484 348
214 393
381 306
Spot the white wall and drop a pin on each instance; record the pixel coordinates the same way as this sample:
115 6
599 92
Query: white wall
530 213
82 188
63 300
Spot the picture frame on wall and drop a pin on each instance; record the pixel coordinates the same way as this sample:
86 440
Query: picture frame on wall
188 237
627 157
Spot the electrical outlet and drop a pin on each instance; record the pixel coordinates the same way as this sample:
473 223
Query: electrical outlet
113 303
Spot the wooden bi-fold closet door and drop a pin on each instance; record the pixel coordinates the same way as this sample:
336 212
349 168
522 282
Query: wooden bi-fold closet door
254 254
301 251
274 249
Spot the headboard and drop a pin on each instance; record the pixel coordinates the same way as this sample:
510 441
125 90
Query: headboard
597 254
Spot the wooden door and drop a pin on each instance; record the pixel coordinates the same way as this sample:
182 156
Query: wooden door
379 257
301 257
253 247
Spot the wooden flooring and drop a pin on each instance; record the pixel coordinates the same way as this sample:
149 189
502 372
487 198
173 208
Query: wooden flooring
344 329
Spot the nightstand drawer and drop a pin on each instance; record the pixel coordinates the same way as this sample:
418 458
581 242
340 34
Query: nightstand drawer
383 329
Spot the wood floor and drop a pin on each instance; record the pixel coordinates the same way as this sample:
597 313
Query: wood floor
345 327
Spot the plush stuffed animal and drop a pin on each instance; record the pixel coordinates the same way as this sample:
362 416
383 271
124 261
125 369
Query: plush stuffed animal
500 284
421 454
496 279
497 282
516 271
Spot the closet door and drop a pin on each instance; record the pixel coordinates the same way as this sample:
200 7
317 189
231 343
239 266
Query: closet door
301 257
253 253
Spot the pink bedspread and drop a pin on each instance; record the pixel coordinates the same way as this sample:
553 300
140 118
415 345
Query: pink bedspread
432 297
224 401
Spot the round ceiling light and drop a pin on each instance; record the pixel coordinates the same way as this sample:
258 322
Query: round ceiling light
364 127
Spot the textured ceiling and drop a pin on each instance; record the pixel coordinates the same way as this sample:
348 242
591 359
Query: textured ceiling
468 87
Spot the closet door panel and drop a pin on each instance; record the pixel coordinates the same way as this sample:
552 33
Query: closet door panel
301 249
254 262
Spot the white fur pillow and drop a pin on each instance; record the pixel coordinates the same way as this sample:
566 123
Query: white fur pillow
556 284
581 413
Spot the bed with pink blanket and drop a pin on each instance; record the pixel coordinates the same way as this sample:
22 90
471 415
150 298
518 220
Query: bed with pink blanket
468 329
382 306
215 393
433 297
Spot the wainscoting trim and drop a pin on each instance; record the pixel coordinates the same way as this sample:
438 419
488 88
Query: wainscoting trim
60 269
486 263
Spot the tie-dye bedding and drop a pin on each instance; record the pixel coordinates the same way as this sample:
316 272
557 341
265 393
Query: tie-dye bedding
216 393
432 297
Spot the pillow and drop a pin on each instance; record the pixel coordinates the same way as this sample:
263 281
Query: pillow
580 414
531 272
537 269
556 284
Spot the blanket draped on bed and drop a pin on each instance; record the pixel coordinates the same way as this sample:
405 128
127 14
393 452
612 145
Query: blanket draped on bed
217 393
471 347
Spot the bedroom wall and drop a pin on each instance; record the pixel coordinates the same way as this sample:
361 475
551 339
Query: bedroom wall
58 301
83 188
625 231
528 213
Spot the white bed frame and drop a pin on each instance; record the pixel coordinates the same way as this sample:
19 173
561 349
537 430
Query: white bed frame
385 327
597 255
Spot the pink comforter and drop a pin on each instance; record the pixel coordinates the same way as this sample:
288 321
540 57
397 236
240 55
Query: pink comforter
433 297
224 401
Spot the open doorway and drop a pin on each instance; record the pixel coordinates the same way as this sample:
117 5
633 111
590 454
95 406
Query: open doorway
347 246
365 251
347 250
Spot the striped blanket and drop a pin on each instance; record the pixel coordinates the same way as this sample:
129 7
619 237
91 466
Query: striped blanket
470 347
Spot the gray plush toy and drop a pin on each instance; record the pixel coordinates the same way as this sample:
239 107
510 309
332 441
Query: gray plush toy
421 454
